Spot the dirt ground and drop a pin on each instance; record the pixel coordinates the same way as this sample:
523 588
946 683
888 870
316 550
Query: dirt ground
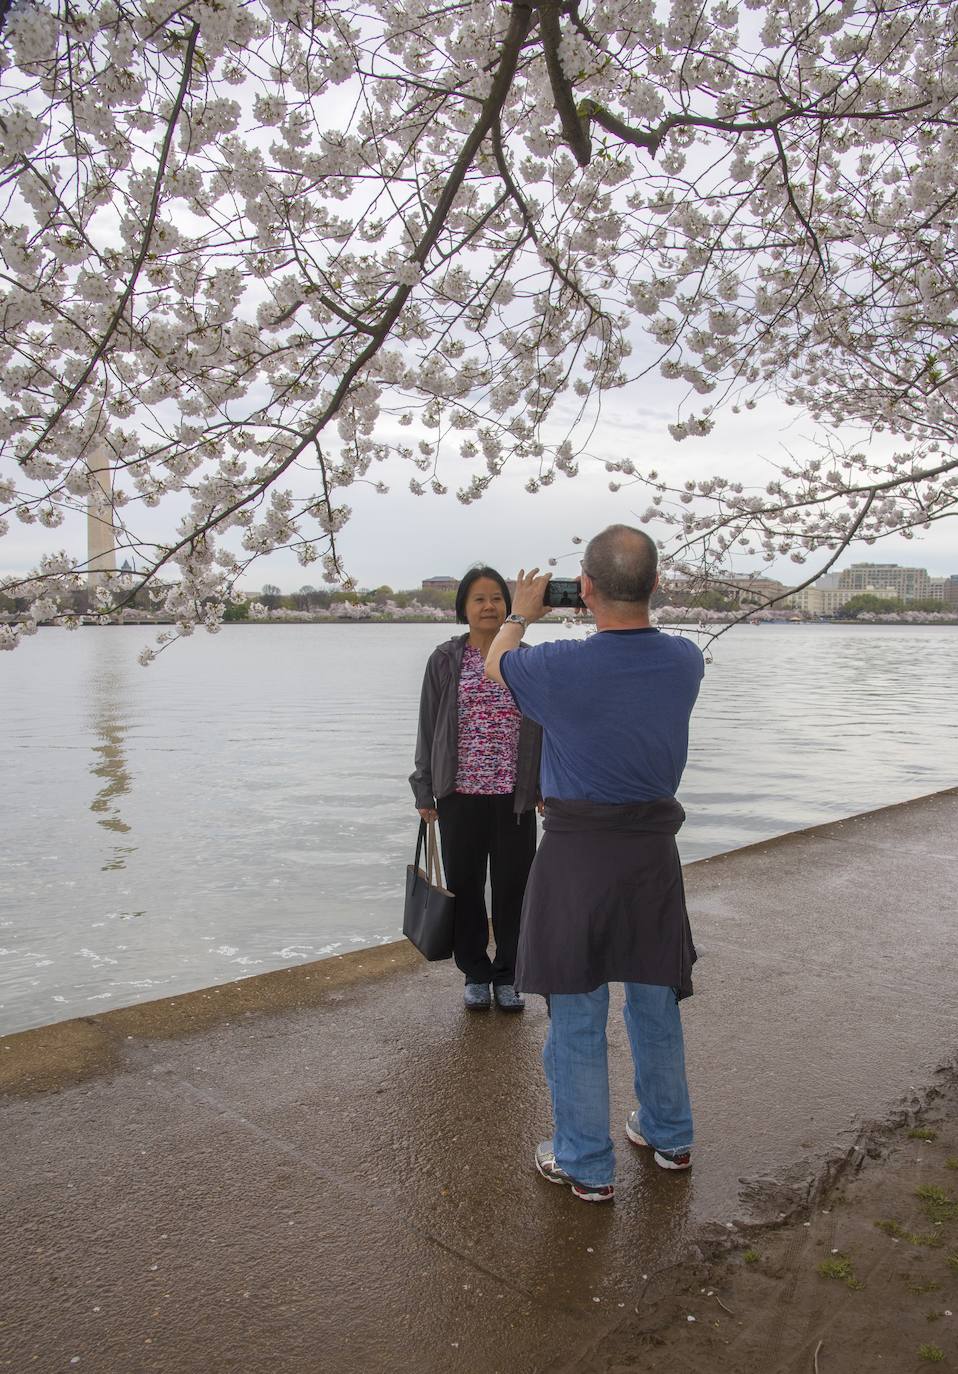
867 1282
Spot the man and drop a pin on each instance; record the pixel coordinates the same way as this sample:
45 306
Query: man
604 901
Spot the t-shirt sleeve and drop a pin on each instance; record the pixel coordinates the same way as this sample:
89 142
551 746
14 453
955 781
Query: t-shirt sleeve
694 655
526 672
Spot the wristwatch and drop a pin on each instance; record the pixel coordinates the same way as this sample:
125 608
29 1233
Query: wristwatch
515 619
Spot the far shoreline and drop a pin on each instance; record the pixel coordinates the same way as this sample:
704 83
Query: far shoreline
289 620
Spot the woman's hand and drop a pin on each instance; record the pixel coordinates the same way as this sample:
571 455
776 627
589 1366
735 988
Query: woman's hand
428 813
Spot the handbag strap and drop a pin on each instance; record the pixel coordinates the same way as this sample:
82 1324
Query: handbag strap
419 843
433 868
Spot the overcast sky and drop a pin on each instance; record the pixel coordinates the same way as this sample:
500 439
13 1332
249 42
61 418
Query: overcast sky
399 539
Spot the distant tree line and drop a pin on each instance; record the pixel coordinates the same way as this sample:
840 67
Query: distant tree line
869 604
310 599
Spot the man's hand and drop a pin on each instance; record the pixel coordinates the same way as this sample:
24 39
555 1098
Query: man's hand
527 599
428 813
527 602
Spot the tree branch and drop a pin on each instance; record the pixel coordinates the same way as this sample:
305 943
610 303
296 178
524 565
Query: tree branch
847 538
575 131
141 256
519 26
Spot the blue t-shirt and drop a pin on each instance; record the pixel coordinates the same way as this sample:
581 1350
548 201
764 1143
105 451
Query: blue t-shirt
614 710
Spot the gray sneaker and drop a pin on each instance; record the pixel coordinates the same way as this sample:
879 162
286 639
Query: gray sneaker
476 997
507 999
548 1168
665 1159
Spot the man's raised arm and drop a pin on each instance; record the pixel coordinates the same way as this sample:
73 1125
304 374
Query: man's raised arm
527 607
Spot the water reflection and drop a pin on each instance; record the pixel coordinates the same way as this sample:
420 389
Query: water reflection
108 693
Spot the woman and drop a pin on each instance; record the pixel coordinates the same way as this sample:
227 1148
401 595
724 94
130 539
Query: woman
477 769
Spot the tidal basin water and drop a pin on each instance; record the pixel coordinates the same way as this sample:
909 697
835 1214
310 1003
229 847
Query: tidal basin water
242 804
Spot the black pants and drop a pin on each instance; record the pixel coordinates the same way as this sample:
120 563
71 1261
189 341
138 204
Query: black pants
477 832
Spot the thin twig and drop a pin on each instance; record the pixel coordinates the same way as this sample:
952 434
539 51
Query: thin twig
722 1305
815 1358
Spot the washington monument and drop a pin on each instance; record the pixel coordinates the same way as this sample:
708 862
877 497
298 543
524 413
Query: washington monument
101 544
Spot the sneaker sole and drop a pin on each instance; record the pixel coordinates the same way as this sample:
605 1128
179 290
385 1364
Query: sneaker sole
592 1197
662 1161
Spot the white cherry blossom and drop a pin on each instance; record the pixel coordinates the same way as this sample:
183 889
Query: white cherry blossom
240 240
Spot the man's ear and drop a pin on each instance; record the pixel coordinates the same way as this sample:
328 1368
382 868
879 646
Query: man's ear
588 586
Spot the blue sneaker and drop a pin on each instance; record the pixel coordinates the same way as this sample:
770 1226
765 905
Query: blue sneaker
665 1159
548 1168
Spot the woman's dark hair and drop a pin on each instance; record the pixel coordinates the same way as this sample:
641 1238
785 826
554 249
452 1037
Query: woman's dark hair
473 575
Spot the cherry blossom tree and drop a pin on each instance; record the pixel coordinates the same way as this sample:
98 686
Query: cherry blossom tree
251 249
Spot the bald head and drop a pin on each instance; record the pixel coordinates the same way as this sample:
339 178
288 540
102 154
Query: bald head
622 562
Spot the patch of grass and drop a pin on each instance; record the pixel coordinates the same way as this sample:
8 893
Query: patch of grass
953 1261
937 1205
951 1162
751 1257
929 1286
836 1267
840 1267
930 1192
932 1353
922 1133
933 1316
932 1239
890 1227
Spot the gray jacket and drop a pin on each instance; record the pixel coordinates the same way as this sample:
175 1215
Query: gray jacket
437 744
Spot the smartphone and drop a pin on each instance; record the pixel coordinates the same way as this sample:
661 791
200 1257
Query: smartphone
565 592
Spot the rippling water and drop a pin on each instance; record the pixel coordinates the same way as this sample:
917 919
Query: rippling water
243 805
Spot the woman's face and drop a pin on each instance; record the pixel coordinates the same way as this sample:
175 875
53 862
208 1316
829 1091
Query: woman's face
485 605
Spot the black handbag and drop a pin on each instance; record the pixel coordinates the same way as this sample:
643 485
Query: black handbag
429 915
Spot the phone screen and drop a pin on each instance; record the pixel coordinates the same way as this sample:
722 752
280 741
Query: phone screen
564 592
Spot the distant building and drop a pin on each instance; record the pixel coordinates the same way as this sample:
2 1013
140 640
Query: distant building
818 600
885 579
751 587
440 584
944 589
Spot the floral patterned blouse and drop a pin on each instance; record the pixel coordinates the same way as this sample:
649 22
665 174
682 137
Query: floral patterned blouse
488 731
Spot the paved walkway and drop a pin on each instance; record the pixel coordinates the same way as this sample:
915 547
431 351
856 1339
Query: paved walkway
330 1168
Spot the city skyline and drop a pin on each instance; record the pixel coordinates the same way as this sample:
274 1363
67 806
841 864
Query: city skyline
827 581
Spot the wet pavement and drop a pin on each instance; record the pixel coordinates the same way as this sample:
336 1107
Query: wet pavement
330 1168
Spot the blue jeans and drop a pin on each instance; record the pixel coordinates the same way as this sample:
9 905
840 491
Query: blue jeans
577 1071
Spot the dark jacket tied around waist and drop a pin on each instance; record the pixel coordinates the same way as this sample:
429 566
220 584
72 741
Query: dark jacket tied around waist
605 901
